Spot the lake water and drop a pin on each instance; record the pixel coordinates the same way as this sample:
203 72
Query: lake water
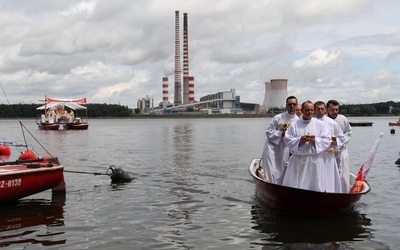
192 190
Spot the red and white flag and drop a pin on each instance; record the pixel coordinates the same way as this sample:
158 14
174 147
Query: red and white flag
362 173
364 169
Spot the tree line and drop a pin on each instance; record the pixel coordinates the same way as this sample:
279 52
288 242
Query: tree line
93 110
371 109
115 110
381 108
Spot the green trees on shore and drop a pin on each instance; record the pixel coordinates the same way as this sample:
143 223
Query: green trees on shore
115 110
94 110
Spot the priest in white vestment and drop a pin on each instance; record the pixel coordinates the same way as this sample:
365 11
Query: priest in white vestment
307 139
342 155
338 139
275 153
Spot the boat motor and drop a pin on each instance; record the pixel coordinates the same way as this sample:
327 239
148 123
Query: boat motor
118 175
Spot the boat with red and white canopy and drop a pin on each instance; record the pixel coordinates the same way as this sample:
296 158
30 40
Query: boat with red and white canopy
70 114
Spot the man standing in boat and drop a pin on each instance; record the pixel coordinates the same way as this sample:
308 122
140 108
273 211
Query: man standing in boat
342 156
338 139
308 138
275 152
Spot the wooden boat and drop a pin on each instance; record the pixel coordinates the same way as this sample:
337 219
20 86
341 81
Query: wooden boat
394 123
303 201
54 113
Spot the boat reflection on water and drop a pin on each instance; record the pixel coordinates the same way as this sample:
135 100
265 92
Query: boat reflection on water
292 229
30 221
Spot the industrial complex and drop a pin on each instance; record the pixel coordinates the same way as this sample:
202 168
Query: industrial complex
224 102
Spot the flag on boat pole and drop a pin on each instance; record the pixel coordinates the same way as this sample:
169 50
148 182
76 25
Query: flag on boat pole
364 169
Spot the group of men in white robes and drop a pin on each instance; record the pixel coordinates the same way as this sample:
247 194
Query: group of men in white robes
306 152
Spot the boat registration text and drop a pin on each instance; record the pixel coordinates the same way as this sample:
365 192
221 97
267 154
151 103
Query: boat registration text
11 183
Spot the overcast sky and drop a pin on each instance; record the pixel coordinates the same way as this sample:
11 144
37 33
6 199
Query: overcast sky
118 51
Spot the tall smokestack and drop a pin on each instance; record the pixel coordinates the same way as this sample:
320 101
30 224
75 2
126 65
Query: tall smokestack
165 91
185 60
178 85
191 89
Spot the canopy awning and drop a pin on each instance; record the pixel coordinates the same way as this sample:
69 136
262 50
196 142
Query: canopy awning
54 103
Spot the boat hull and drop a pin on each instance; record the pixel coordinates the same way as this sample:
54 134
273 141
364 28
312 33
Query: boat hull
21 180
76 126
49 126
394 124
360 124
303 201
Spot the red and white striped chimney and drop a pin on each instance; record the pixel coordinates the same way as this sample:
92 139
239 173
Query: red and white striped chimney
178 84
185 60
165 91
191 89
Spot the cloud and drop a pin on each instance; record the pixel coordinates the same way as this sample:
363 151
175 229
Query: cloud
119 51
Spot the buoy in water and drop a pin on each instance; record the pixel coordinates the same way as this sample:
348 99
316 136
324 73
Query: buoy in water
119 175
392 131
27 155
5 150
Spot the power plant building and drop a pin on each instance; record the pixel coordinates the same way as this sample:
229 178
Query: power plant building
145 105
275 94
221 102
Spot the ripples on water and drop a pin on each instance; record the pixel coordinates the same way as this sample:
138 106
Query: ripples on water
191 191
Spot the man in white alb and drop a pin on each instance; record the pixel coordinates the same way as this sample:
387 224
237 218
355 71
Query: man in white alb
307 139
275 152
338 139
342 155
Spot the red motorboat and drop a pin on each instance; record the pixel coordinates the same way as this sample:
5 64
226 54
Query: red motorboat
23 178
303 201
28 174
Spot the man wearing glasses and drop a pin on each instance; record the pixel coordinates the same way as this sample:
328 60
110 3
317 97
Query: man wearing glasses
275 152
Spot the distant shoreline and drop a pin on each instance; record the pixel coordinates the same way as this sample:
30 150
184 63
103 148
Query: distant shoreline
188 116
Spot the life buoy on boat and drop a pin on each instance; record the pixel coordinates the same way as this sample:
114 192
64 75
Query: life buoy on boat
27 155
5 150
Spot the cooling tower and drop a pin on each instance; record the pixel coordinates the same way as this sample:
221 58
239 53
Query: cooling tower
165 91
185 60
178 84
191 89
275 94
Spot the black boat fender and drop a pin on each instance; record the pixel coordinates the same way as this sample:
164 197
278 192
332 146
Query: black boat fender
118 175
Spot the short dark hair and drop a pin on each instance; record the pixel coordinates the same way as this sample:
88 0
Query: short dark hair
318 103
291 97
333 102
